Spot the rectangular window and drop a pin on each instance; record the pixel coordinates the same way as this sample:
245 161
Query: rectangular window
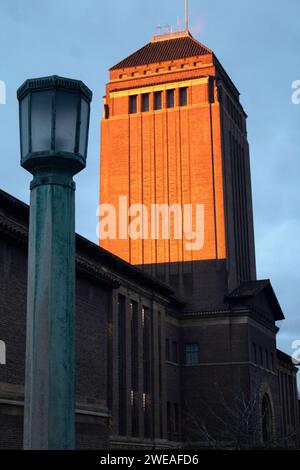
169 419
183 96
175 352
192 354
170 98
167 350
254 355
261 356
134 310
122 364
176 419
272 362
133 104
145 102
157 100
106 111
267 359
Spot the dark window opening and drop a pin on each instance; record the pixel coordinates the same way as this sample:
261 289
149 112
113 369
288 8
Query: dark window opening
261 356
176 419
192 354
272 362
122 364
169 419
106 111
254 353
170 98
266 419
167 350
183 96
175 352
145 102
133 104
157 100
134 310
267 359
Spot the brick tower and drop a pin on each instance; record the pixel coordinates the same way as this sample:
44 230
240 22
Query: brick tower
174 133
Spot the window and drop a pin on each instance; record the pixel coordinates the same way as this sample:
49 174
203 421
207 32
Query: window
169 419
170 98
167 350
106 111
133 104
192 354
261 356
272 362
254 355
175 352
267 359
145 102
183 96
157 100
134 310
122 364
176 419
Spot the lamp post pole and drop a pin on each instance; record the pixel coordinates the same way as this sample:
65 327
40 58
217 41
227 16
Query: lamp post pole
54 120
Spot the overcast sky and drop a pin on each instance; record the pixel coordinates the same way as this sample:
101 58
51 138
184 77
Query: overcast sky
258 44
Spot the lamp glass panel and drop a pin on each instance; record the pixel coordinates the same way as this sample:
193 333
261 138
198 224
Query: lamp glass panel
41 120
66 121
84 124
24 119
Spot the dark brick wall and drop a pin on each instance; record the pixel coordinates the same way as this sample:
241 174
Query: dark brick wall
93 304
13 280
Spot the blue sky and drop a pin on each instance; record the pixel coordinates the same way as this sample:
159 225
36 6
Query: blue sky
257 43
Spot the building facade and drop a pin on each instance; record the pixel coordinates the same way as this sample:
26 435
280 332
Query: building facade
174 347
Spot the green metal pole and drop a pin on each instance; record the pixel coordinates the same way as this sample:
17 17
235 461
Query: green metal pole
49 421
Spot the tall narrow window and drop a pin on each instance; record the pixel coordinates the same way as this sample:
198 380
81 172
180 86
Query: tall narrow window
145 102
267 359
132 104
106 111
272 361
147 335
169 420
176 419
157 100
175 352
122 364
134 366
192 354
183 96
261 357
254 353
167 350
170 98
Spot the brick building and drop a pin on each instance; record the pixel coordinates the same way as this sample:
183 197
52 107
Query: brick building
173 347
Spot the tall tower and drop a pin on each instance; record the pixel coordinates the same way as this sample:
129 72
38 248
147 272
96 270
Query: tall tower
174 133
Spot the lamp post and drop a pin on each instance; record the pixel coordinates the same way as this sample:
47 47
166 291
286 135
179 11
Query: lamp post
54 124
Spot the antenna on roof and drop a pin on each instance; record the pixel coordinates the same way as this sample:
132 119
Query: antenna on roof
186 15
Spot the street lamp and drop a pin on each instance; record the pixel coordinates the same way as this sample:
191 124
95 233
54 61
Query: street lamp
54 125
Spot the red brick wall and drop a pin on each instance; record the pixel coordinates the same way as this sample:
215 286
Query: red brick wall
170 156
